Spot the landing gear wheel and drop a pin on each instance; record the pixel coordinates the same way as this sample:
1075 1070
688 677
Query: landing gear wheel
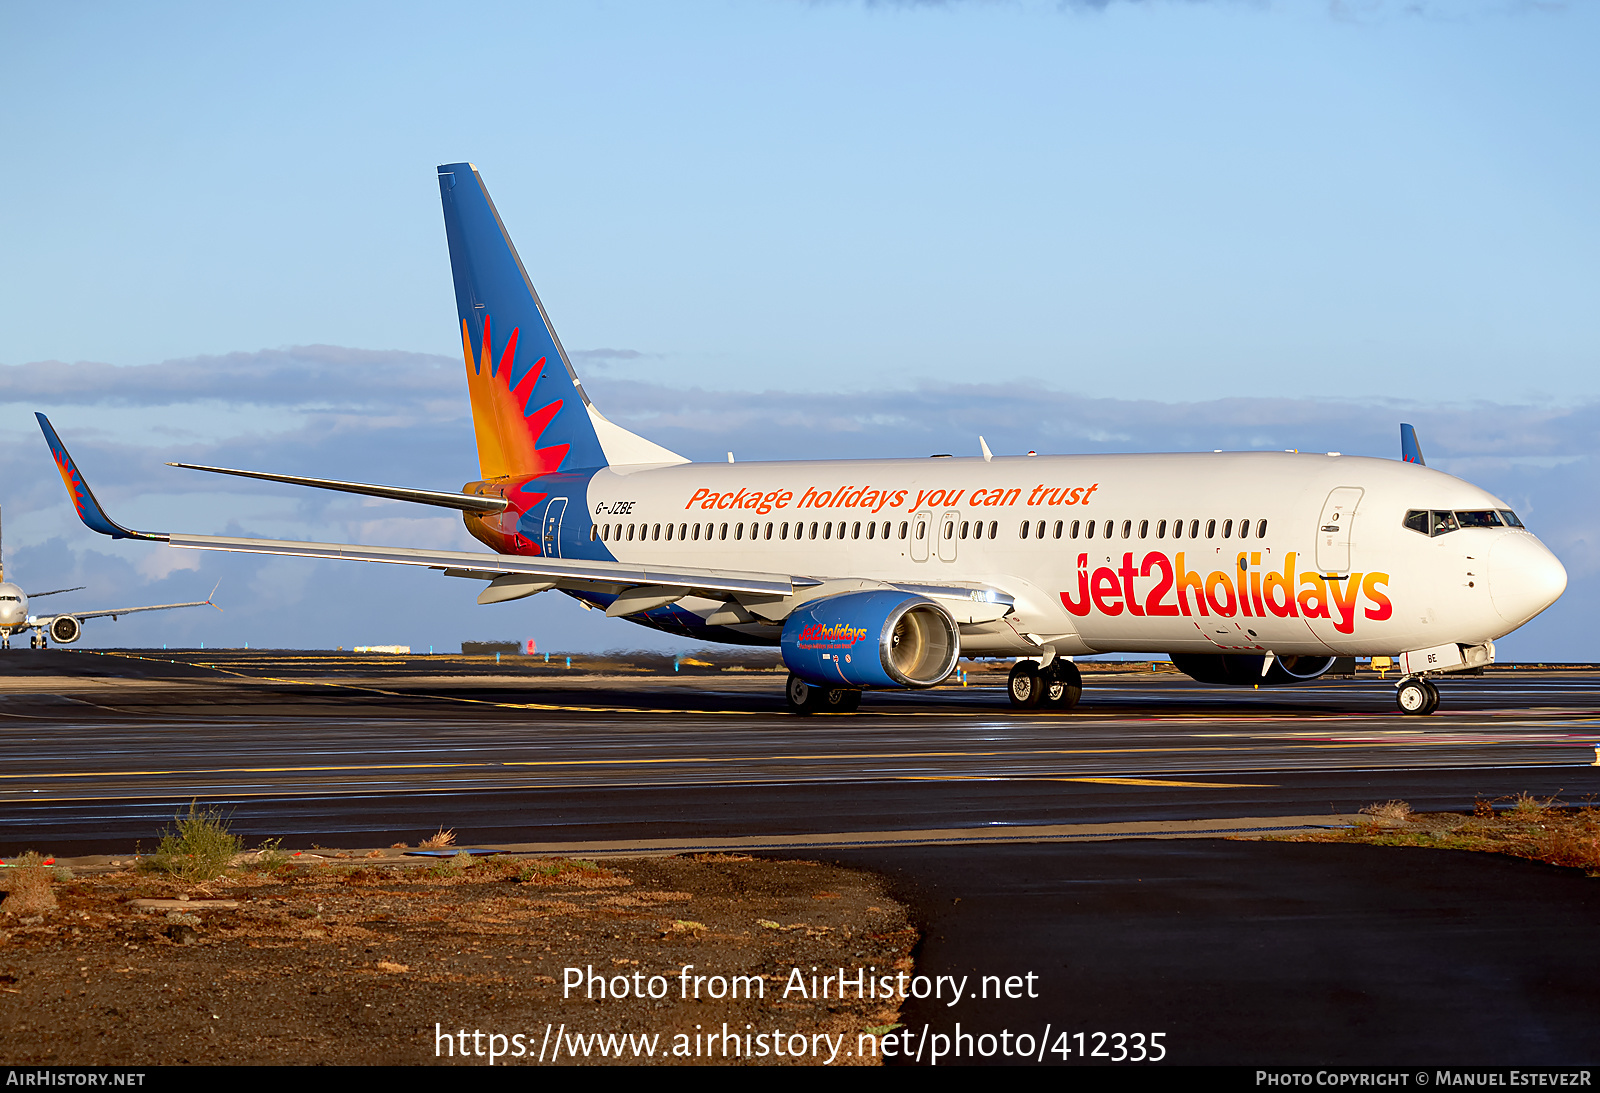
33 642
1062 685
807 698
841 700
1417 696
1025 686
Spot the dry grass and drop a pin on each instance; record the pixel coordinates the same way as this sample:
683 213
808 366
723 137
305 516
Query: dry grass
28 885
1544 830
440 840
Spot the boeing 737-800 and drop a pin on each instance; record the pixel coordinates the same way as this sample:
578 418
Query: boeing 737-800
1247 568
63 629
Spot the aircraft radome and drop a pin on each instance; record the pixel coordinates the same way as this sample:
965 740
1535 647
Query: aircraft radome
1245 567
65 628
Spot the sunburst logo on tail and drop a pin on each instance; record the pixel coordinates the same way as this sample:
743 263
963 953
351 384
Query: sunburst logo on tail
508 432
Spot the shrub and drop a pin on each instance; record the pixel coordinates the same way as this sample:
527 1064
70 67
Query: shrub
1389 812
199 847
29 886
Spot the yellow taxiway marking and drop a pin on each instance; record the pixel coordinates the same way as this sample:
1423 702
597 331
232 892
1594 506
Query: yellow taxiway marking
239 770
1104 781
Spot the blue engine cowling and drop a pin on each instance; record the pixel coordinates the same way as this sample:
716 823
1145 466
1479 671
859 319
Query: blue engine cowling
882 638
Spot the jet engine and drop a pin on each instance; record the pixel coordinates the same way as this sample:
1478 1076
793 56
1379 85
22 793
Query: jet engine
65 630
883 638
1244 669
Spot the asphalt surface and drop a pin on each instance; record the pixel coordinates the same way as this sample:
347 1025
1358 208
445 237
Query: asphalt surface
989 821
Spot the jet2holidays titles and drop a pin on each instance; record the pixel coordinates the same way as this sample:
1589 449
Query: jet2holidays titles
1255 592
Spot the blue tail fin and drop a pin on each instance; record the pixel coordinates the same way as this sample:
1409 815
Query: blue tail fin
529 409
1410 450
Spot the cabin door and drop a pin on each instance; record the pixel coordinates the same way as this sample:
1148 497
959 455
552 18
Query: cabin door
1334 528
949 525
921 529
553 512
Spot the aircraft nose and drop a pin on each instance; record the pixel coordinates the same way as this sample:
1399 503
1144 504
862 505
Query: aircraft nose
1524 578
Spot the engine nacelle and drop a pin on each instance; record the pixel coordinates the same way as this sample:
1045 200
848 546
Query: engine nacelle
65 630
884 638
1244 669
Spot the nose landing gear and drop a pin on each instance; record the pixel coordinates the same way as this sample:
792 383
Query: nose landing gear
1417 695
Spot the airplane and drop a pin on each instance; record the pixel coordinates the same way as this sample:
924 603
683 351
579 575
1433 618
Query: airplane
64 628
1246 568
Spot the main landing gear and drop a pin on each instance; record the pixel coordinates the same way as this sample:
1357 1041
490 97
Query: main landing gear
1056 686
1417 695
806 697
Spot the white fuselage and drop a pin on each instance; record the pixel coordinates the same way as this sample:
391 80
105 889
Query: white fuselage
1369 585
13 607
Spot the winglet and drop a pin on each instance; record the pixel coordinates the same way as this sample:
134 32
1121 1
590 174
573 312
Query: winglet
89 511
1410 450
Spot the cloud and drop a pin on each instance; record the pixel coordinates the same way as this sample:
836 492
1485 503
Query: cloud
604 358
301 376
402 418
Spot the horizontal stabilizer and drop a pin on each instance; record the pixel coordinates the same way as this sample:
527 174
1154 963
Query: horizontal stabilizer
462 501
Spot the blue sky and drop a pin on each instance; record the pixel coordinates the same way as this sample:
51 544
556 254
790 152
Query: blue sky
875 226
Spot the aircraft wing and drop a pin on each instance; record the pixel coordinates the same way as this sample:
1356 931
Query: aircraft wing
46 620
565 572
561 571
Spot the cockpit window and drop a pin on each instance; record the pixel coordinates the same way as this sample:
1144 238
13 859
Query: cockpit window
1437 522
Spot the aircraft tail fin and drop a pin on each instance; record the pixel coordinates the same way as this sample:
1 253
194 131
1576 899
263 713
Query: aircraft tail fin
1410 450
529 409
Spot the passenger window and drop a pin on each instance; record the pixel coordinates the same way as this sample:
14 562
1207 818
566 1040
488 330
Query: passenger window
1040 535
1058 529
1161 529
1144 529
1088 530
1244 529
1024 532
1194 528
855 530
1261 529
1110 527
1211 529
1227 529
964 526
1127 528
1177 529
813 529
994 528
